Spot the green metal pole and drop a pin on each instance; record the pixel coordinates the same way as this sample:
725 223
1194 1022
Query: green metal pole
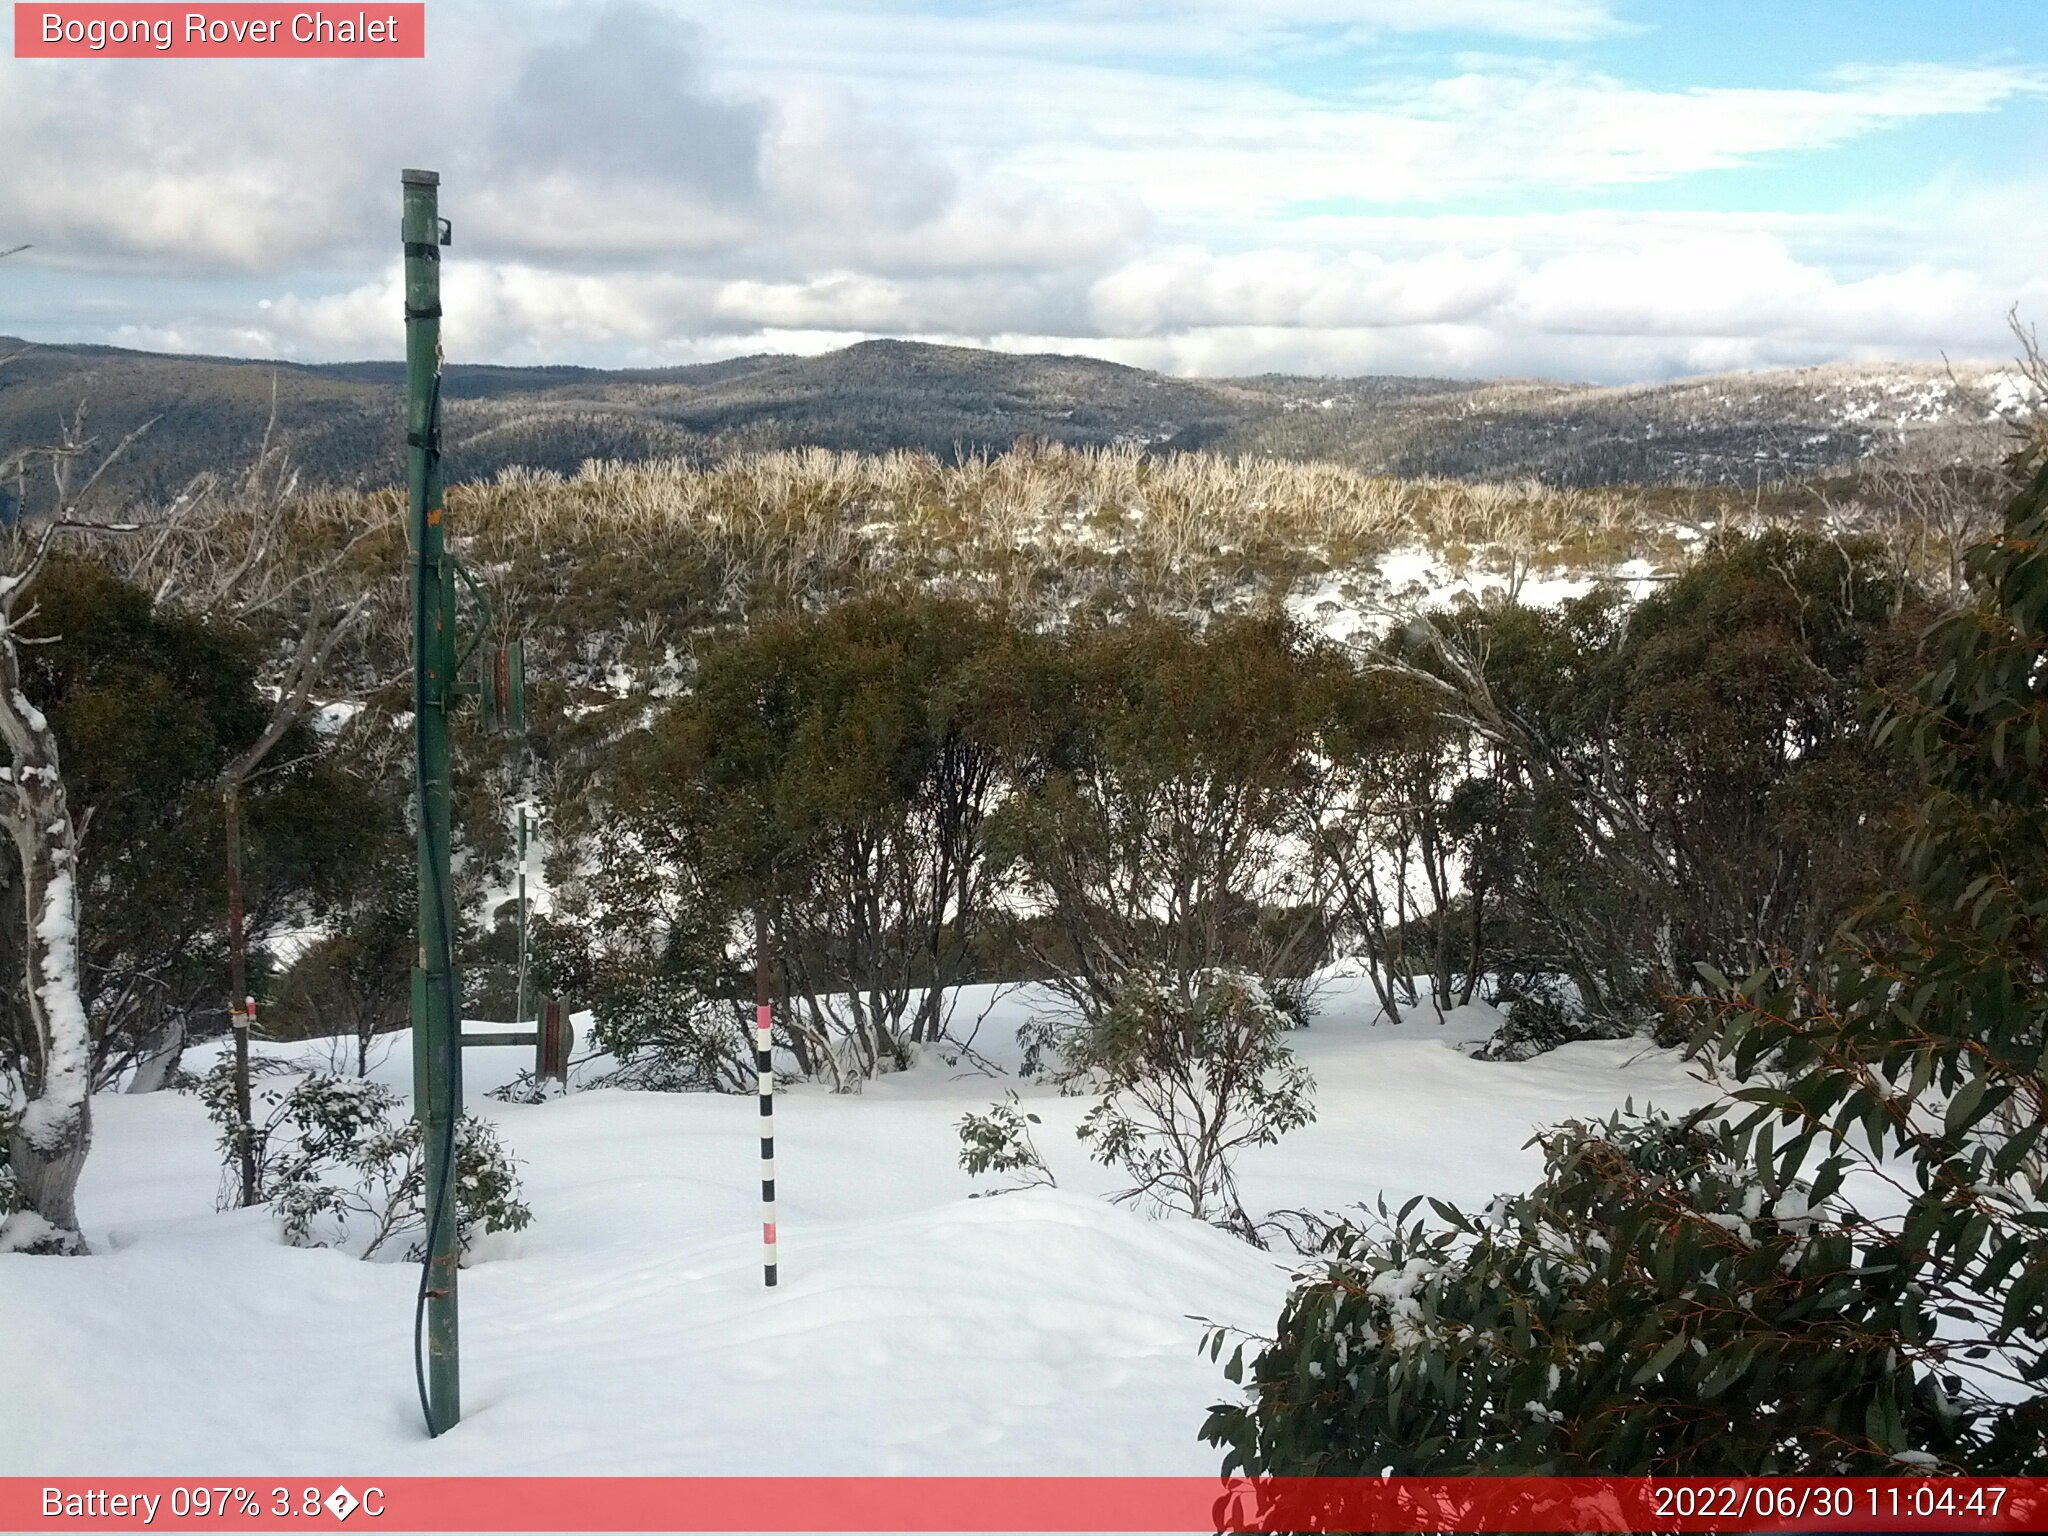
519 1009
436 1048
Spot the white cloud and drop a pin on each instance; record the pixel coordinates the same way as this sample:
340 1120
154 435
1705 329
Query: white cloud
1189 287
638 181
885 35
1620 297
844 302
1249 150
1619 302
1738 285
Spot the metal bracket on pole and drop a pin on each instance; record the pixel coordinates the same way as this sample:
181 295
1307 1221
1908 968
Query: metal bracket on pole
552 1039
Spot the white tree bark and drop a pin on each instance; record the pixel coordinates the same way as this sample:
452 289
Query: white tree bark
156 1068
49 1140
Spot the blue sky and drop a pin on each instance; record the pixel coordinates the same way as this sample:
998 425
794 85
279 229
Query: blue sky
1602 189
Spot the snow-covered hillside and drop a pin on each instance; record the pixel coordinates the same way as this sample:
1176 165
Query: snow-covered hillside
916 1329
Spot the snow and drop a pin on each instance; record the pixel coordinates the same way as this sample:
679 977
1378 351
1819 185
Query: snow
332 719
22 1231
916 1329
1356 606
48 1120
2012 394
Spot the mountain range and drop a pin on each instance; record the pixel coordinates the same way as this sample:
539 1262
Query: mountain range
341 423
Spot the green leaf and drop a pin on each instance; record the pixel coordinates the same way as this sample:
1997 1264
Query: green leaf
1962 1109
1656 1364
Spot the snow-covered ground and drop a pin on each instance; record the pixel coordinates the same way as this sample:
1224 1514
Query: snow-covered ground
1360 604
915 1330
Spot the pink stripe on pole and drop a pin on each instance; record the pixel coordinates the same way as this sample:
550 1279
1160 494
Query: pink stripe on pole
767 1231
764 1017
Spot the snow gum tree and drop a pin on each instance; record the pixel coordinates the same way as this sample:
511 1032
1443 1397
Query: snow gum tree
1688 779
51 1130
1381 822
147 703
1157 831
836 773
131 709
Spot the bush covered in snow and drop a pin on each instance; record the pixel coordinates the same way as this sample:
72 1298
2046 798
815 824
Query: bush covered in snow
528 1087
1656 1304
1540 1012
643 962
340 1168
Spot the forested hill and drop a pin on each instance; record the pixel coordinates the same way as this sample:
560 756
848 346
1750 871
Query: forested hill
341 422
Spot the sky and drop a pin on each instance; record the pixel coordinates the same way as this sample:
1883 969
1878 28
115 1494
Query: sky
1607 190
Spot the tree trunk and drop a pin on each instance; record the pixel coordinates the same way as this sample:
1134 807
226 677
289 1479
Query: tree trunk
48 1143
46 1170
154 1071
241 1006
1475 961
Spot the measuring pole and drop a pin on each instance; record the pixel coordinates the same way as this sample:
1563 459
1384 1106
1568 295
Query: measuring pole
436 1048
764 1067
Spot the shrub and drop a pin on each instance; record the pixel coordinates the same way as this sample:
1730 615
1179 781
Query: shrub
1655 1304
1000 1142
337 1167
527 1087
1540 1013
1189 1082
1723 1294
651 972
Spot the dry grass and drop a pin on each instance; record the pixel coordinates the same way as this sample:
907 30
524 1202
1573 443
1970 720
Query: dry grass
627 563
1046 527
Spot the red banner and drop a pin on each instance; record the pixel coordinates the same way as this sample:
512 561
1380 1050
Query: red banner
1044 1504
216 31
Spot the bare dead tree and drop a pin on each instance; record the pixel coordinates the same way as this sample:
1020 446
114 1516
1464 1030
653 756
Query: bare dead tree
216 551
219 548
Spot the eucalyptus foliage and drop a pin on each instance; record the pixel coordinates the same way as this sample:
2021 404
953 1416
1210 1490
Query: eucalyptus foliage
1845 1270
1189 1082
337 1162
1001 1142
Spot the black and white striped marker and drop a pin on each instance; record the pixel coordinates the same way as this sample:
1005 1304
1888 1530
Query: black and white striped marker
764 1066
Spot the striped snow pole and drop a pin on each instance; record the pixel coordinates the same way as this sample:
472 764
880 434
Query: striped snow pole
764 1068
